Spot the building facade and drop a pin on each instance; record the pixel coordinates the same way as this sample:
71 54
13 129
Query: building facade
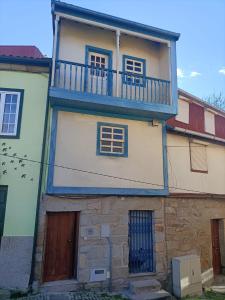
114 85
24 76
195 209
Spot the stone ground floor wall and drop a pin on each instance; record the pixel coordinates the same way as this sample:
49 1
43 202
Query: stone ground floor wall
188 229
93 250
182 227
15 261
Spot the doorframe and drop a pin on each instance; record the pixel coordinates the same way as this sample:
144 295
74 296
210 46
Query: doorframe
76 244
109 53
212 221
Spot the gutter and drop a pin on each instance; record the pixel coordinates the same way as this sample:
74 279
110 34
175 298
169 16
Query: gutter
40 62
31 279
191 133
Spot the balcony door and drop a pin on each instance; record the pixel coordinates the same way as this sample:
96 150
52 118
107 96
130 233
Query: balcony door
99 74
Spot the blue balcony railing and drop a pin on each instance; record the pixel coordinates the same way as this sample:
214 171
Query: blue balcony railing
77 77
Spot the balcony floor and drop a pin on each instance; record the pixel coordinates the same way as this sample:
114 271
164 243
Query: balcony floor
108 105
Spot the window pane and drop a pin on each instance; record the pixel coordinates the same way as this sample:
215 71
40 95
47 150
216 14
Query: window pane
11 128
13 108
12 118
4 128
117 130
7 108
6 118
14 98
8 98
106 136
106 129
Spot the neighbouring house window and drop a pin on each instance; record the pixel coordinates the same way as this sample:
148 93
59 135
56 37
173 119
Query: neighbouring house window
10 108
198 157
112 139
183 111
134 69
209 122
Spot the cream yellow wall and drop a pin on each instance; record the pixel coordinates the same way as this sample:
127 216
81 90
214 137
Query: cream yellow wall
180 175
75 36
76 148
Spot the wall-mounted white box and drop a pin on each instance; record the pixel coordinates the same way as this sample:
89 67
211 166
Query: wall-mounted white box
186 272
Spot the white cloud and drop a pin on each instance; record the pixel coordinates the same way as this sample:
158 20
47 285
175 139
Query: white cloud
180 73
222 70
195 74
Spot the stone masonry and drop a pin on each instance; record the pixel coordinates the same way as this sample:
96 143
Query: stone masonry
93 250
188 227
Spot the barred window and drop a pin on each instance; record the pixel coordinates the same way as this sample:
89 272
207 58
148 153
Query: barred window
112 139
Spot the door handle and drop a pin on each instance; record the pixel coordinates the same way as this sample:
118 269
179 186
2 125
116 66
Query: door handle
69 241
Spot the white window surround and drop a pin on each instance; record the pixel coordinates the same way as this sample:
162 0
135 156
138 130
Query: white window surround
9 112
209 122
100 62
112 139
183 111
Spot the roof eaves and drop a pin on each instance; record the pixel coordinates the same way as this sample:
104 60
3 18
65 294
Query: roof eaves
112 20
41 62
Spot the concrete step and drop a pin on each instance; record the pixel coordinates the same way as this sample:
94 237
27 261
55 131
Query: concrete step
157 295
144 286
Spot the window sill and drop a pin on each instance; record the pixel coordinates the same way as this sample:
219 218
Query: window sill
141 274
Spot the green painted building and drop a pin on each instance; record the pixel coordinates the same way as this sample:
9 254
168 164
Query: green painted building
24 77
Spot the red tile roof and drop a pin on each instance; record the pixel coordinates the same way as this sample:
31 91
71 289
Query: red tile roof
21 51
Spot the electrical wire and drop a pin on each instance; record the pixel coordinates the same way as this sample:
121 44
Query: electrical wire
102 174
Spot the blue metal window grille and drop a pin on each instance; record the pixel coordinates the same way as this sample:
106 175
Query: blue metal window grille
141 254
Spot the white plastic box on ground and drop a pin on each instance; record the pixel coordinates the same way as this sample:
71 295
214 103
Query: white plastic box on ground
186 271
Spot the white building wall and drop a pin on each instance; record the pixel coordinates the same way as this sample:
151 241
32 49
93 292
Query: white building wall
75 36
76 148
183 180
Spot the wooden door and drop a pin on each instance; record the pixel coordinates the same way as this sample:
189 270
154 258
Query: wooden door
61 246
216 255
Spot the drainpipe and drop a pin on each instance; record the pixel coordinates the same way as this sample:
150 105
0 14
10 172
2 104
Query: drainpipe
31 279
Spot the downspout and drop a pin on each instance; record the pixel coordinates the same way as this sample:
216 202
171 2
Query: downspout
31 279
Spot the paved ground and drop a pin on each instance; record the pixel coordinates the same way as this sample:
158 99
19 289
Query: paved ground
68 296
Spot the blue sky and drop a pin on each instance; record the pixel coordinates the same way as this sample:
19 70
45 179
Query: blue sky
200 50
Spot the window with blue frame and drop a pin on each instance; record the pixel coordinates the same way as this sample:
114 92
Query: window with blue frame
112 139
10 112
134 70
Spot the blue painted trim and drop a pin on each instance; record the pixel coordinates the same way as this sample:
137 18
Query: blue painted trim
27 61
165 158
63 98
105 191
109 53
113 21
51 189
143 74
153 241
173 66
17 135
125 127
58 40
52 149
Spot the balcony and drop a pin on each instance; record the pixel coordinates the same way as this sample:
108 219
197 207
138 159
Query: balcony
126 92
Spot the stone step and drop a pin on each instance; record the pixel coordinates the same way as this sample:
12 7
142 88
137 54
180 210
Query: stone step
158 295
144 286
